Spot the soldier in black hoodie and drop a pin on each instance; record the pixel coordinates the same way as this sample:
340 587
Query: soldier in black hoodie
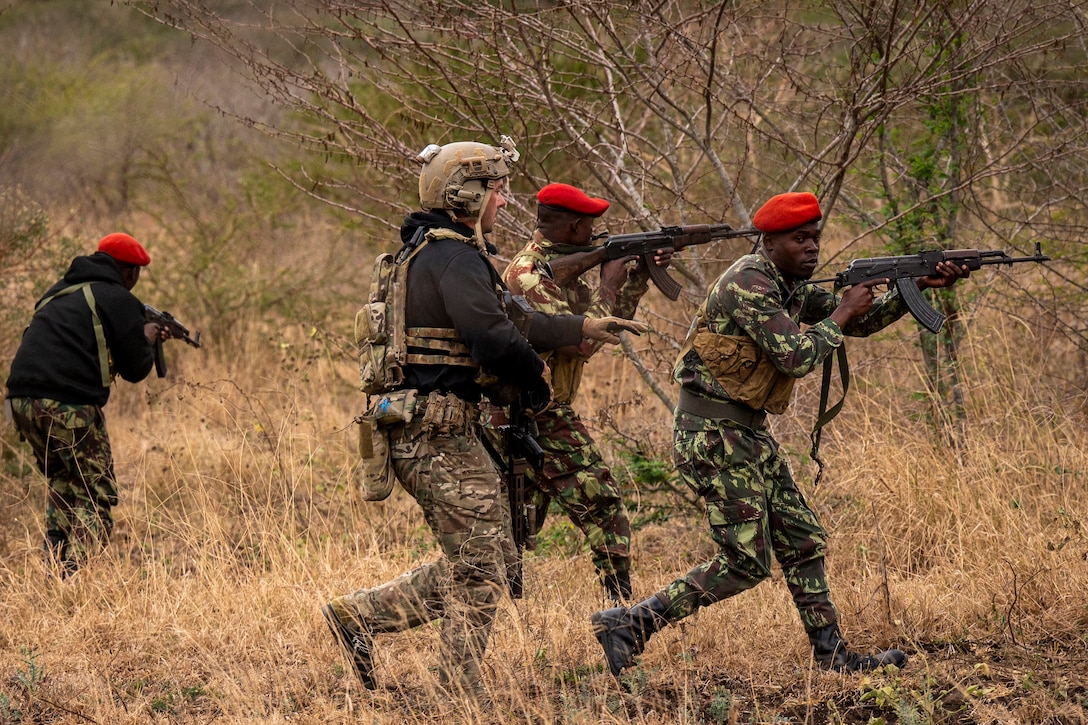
461 346
86 329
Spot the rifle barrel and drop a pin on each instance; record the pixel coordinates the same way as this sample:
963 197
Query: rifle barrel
727 232
1015 260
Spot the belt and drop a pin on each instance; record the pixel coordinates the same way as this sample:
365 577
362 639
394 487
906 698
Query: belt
720 410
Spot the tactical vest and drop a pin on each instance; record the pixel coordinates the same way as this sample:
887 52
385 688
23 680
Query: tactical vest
381 334
741 367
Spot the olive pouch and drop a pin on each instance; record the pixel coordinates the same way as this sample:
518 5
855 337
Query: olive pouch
375 476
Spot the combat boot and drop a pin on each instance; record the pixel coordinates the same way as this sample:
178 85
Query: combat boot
357 644
623 632
831 653
617 585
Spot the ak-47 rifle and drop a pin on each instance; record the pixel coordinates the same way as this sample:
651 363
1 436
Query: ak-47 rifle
644 244
176 330
522 451
902 271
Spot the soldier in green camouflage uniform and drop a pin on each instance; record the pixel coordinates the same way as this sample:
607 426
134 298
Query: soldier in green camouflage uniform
460 344
575 475
87 328
744 351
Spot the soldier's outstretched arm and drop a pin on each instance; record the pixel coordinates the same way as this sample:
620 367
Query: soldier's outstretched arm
607 329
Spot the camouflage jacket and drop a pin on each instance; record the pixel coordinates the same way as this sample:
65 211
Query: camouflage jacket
749 299
528 275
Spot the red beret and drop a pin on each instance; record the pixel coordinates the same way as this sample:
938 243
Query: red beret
565 196
787 211
124 249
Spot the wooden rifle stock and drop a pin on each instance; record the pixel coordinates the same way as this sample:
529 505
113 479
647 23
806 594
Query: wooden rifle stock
645 245
570 267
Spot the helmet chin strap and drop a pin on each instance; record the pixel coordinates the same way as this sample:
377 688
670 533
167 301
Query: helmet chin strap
480 243
478 236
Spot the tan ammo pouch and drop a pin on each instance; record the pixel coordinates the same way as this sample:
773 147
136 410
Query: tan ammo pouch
442 414
376 476
744 371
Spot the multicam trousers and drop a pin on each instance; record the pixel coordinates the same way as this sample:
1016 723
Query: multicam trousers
460 490
754 509
576 477
72 449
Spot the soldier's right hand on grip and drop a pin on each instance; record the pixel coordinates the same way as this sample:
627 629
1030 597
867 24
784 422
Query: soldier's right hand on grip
605 329
537 399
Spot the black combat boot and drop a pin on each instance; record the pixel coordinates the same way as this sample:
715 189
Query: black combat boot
356 643
623 632
618 585
831 653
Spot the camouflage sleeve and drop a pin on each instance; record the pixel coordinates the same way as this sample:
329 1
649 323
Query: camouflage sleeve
638 281
756 304
819 304
889 308
602 303
524 277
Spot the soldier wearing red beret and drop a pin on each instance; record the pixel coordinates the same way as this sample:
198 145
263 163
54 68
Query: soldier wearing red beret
86 329
575 475
570 199
742 355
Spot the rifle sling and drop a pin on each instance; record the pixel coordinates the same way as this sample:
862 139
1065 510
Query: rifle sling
96 323
826 414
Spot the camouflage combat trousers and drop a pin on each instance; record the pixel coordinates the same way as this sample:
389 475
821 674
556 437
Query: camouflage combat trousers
754 509
460 490
576 477
72 449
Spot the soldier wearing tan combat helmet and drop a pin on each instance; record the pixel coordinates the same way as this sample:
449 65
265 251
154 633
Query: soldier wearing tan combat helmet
461 345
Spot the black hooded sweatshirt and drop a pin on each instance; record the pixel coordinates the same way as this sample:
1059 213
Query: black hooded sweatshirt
452 285
58 355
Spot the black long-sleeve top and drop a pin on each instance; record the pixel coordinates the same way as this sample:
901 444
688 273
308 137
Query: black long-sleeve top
453 285
58 357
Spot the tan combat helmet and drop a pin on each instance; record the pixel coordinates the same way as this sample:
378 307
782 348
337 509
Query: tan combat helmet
458 177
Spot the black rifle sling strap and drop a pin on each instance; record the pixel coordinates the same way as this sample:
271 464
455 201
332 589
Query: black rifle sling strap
827 414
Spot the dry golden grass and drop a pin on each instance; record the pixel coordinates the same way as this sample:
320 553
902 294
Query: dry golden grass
237 521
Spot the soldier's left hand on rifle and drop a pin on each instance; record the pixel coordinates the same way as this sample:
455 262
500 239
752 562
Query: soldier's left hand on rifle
662 257
948 273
